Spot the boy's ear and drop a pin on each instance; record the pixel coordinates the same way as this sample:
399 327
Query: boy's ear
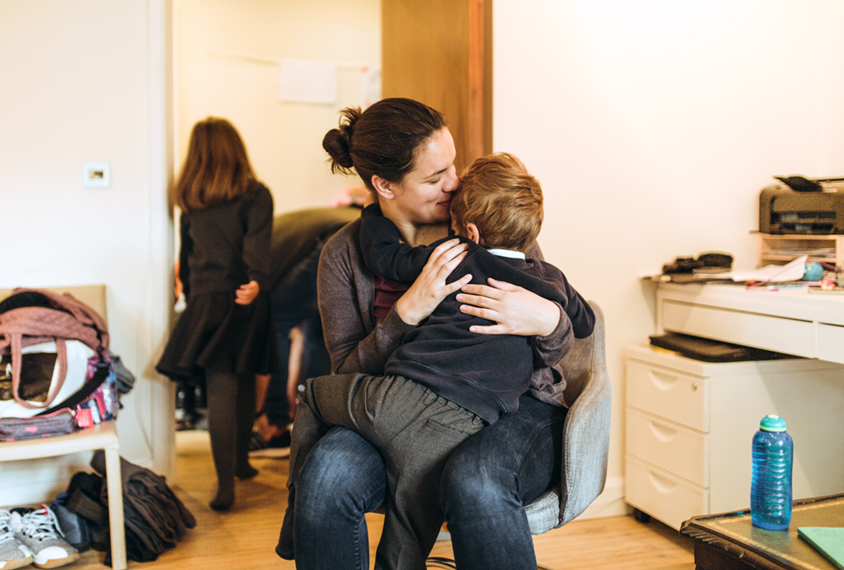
473 233
383 187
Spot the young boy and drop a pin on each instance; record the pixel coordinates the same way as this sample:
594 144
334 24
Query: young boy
444 383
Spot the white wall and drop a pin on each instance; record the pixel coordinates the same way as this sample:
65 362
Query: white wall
653 125
85 81
226 55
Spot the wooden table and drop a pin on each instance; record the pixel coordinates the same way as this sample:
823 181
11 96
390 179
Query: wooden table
730 541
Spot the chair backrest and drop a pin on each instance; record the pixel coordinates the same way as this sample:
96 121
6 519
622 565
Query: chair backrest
586 356
586 433
586 436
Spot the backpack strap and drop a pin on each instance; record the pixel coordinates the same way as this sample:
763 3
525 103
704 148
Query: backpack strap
17 364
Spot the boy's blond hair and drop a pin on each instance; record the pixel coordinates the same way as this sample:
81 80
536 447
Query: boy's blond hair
499 196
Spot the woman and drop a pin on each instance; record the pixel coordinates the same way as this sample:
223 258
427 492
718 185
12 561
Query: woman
404 153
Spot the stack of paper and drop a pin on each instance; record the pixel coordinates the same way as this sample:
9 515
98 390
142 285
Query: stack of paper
829 541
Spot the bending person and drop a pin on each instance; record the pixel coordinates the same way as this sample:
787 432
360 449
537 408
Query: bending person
295 246
404 154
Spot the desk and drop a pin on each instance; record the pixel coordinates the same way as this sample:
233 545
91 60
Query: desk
790 321
689 423
730 541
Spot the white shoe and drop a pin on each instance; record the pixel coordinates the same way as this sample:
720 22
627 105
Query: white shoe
40 532
13 554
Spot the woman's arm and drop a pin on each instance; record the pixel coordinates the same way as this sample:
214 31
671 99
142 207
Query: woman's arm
520 312
430 288
346 292
515 310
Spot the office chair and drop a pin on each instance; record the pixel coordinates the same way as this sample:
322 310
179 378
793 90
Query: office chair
586 435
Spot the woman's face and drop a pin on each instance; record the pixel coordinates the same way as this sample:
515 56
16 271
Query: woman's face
424 195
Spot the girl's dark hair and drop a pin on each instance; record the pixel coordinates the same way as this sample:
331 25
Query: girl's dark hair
383 140
216 168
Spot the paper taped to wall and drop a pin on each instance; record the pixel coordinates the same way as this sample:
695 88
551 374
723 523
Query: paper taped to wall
302 81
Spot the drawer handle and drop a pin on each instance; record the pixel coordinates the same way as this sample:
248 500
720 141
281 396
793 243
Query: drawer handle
663 381
661 432
661 484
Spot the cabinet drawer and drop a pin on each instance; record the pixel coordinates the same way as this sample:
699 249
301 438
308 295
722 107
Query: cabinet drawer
662 495
667 393
678 450
831 343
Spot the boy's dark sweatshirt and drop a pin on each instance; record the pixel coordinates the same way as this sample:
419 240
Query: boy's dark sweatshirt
485 374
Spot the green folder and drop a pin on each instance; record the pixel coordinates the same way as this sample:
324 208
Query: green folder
828 540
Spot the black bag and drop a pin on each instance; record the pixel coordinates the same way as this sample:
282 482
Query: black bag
154 518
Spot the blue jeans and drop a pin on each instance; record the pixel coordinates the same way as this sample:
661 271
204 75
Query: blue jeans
343 478
485 485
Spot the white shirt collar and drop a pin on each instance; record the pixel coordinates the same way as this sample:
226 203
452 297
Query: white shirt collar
507 253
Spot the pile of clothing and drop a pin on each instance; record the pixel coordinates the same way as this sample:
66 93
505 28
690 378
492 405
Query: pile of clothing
155 518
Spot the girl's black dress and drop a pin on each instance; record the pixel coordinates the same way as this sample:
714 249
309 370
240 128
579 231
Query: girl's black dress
224 247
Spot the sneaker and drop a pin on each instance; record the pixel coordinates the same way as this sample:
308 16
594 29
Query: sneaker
39 530
256 442
276 448
13 554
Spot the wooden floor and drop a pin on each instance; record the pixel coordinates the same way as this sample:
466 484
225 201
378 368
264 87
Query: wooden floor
245 536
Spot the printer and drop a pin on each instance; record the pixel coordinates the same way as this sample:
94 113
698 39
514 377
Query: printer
797 205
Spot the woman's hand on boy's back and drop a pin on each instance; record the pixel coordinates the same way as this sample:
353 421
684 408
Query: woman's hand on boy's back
516 310
430 288
245 294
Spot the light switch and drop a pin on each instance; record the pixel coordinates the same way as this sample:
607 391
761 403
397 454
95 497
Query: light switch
96 174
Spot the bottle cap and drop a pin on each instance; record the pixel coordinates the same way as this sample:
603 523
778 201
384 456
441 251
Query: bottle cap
772 423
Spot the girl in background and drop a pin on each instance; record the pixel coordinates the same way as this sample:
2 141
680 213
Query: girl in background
225 331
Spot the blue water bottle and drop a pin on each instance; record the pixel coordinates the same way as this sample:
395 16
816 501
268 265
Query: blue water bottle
770 486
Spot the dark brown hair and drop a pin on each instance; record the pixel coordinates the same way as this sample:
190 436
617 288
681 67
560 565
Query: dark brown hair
216 168
383 140
499 195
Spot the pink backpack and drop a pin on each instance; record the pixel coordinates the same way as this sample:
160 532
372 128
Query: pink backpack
33 316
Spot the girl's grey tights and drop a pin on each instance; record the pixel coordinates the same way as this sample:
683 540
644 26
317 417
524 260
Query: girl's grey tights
231 411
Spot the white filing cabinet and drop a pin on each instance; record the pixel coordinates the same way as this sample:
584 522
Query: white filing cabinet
690 424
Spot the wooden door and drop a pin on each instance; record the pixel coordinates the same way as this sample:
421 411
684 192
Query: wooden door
440 52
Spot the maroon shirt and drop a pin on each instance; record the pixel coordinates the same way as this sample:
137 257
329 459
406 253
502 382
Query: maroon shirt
387 292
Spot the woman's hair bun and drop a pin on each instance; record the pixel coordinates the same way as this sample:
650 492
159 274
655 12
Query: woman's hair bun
337 142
